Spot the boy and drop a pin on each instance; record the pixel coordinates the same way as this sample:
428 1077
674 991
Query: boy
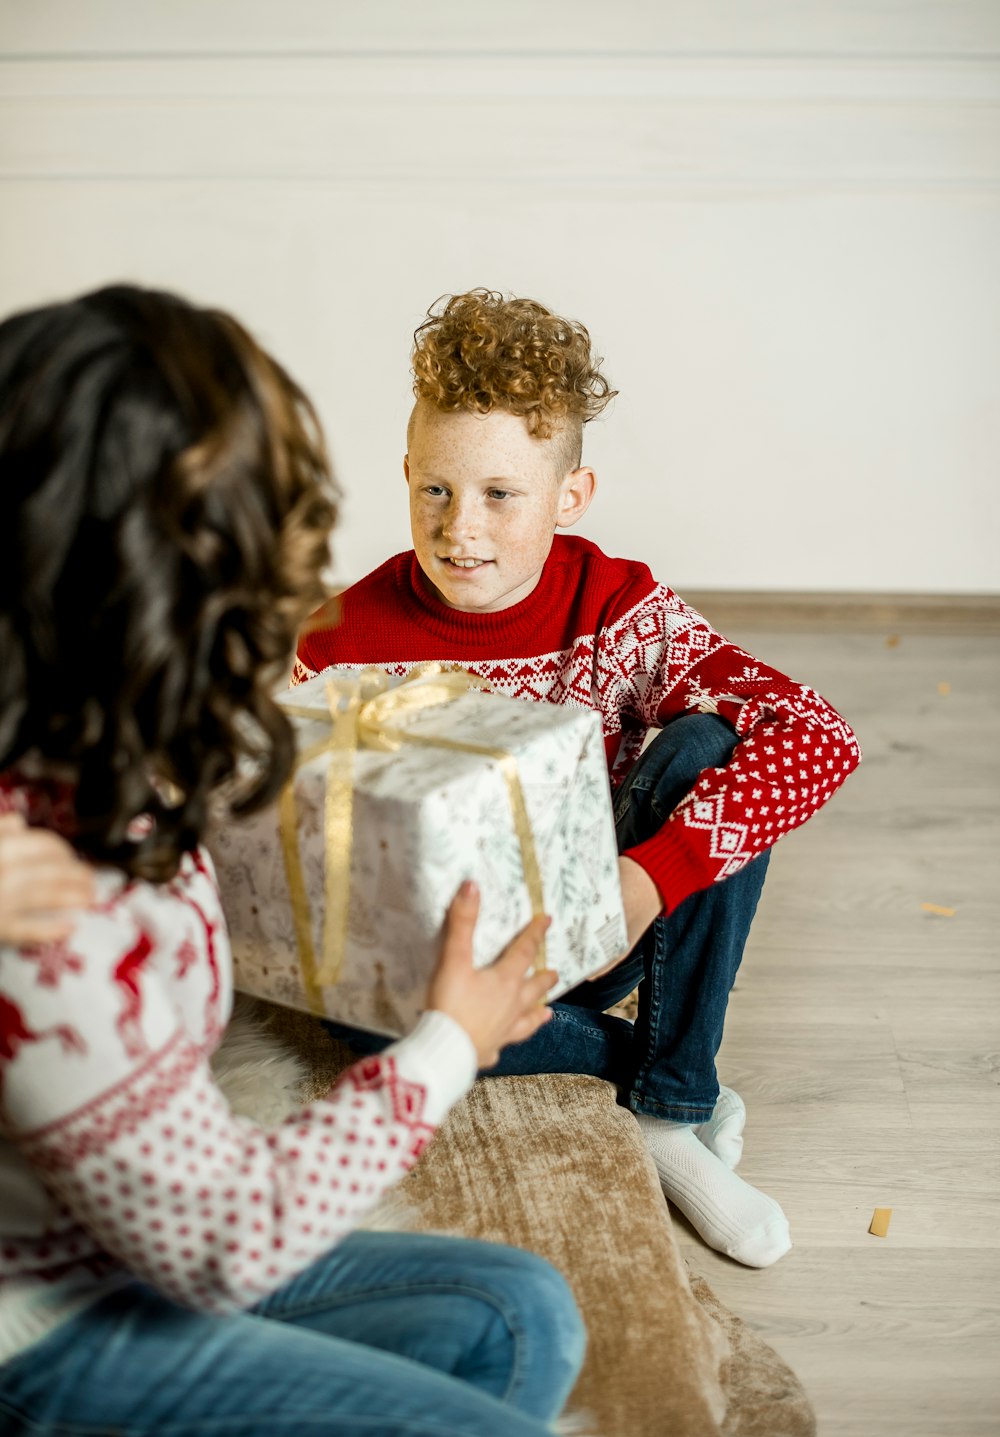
743 754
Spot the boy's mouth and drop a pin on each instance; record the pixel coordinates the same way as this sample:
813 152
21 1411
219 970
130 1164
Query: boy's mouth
464 563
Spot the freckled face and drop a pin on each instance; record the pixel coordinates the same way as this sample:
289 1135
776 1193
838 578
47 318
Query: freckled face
485 501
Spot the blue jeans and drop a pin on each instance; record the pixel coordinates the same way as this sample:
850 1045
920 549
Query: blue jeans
389 1335
684 965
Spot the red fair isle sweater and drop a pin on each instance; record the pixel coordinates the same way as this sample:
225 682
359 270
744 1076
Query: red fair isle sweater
119 1156
601 633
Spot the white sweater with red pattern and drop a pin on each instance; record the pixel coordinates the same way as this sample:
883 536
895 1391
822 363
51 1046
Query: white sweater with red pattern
601 633
118 1153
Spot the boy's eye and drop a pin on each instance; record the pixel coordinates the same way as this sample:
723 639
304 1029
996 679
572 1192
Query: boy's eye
499 493
434 490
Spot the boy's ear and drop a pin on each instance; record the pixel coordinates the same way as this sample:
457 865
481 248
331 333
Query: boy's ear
406 467
575 494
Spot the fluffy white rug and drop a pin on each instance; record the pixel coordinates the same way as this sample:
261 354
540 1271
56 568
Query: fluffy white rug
260 1075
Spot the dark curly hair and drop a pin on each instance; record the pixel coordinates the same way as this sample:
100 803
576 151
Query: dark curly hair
479 351
165 507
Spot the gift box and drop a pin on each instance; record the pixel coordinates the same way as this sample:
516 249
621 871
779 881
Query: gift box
335 899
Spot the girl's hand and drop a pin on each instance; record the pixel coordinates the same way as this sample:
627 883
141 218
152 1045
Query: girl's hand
497 1005
40 878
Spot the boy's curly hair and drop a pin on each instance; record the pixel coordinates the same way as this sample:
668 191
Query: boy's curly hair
479 351
165 507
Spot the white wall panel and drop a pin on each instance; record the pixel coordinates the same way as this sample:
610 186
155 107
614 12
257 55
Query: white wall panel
742 27
780 221
405 122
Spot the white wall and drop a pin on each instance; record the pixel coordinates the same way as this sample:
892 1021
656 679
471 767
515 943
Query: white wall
779 219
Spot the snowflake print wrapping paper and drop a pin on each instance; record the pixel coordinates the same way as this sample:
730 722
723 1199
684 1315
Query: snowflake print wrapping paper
424 820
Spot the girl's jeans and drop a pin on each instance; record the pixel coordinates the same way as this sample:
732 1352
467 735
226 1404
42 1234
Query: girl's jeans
684 966
389 1335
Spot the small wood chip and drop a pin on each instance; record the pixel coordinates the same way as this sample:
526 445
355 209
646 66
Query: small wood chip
879 1225
937 908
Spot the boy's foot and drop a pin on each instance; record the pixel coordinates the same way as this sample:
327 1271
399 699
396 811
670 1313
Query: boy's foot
730 1215
723 1133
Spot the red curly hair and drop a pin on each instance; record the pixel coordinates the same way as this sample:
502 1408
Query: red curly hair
479 351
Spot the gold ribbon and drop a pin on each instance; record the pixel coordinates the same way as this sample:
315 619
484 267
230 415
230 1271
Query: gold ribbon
366 713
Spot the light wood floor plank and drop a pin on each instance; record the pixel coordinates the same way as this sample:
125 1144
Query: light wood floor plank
864 1034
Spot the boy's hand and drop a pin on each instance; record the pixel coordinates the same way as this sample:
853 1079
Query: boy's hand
497 1005
642 903
40 877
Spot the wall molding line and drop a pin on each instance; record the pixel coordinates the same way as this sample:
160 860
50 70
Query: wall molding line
769 80
972 615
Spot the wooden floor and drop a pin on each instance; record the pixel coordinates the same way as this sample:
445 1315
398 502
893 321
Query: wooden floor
864 1034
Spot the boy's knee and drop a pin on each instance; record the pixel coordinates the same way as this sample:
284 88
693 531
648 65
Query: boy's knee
668 770
695 742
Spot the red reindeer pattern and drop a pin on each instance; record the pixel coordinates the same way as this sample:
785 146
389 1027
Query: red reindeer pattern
213 1018
15 1034
126 976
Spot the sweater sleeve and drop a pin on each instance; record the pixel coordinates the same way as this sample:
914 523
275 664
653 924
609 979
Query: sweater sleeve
794 751
129 1133
301 670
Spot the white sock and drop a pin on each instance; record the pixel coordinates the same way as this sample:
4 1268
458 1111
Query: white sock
730 1215
723 1133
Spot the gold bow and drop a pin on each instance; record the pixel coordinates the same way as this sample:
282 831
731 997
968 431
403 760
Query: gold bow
366 713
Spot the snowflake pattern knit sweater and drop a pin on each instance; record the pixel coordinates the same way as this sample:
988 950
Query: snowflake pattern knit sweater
118 1153
601 633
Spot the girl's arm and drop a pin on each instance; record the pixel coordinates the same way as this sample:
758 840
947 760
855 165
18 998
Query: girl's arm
111 1101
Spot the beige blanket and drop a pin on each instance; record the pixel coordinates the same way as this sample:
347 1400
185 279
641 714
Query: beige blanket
553 1164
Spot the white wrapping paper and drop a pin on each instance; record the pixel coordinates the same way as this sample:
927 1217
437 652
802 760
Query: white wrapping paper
425 819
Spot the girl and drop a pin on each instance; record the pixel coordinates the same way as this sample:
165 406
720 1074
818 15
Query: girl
40 879
165 503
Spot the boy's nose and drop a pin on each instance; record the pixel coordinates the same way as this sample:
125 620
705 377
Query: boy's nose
459 525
